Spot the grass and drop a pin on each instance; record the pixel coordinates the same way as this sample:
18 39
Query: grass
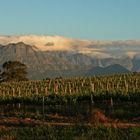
71 133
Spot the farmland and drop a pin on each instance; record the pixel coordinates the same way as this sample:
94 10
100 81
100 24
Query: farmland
83 107
117 87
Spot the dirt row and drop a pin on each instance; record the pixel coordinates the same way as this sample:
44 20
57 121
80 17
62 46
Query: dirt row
13 122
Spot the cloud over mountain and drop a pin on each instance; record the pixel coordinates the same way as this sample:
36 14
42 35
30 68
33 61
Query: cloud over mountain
95 48
55 55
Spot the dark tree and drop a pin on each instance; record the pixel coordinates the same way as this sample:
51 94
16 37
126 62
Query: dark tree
14 71
0 76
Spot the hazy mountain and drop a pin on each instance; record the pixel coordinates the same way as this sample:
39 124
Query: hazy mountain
58 56
98 49
112 69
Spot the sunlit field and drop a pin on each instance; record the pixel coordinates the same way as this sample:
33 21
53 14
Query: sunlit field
102 107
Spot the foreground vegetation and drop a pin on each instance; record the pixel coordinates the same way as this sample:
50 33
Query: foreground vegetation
71 133
71 108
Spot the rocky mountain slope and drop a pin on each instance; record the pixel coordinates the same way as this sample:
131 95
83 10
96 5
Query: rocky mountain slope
50 56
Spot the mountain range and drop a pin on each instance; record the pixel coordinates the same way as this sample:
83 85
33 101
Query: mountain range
53 56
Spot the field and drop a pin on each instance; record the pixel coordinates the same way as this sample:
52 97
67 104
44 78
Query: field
103 107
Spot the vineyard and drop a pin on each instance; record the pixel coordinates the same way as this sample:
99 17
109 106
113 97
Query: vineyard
124 87
98 107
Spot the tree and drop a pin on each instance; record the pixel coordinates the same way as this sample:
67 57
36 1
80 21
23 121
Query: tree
0 76
14 71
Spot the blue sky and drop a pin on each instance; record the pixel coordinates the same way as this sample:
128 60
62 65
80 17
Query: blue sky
85 19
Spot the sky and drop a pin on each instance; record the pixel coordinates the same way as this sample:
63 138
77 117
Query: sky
82 19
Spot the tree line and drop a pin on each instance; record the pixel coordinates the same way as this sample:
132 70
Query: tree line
13 71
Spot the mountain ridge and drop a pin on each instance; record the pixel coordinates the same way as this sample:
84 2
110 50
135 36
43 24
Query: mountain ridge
111 69
69 62
94 48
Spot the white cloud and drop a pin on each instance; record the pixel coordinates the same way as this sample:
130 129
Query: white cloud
131 54
101 49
